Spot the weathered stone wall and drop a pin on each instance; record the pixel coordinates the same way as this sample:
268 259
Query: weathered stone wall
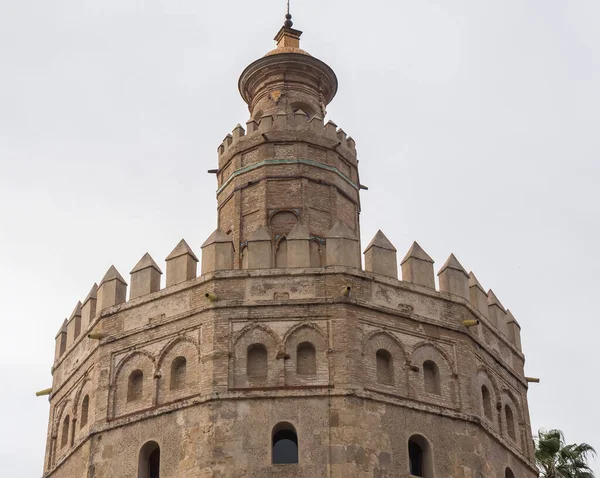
220 416
337 435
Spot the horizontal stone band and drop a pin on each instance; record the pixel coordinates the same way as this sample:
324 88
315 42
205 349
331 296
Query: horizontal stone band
287 161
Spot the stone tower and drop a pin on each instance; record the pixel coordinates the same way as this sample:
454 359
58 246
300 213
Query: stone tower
285 357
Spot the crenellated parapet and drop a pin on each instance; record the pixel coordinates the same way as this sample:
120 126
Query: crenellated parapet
295 126
295 250
454 281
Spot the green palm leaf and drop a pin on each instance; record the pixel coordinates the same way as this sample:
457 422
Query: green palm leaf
556 459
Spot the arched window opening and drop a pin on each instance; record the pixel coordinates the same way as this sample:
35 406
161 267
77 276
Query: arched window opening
178 370
384 367
431 375
487 402
256 366
415 455
510 422
508 473
85 406
281 253
149 461
306 357
135 386
64 437
284 444
419 457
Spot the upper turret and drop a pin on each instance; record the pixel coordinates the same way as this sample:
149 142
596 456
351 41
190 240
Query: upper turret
287 79
288 167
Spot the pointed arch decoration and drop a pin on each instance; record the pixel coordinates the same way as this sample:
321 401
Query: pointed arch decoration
129 357
449 361
371 337
173 343
250 327
296 328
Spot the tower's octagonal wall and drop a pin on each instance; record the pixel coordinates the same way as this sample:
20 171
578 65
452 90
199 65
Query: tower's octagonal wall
348 418
284 335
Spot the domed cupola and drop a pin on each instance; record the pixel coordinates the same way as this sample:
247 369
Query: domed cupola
287 79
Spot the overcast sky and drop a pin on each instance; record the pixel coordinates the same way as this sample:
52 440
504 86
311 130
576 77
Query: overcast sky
478 131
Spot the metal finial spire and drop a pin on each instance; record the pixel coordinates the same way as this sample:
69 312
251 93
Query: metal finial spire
288 17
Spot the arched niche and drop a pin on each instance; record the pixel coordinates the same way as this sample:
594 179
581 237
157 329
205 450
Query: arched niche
308 363
134 383
149 461
247 345
284 444
180 370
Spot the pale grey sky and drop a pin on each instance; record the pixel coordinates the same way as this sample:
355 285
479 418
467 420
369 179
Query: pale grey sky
477 125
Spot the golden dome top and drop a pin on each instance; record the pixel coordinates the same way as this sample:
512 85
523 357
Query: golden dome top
287 49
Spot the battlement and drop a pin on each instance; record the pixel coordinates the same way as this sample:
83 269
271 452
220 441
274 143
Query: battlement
295 125
341 248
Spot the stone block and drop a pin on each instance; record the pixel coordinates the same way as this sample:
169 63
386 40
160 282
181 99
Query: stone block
182 264
145 277
380 256
112 289
88 309
217 252
513 330
417 267
477 295
497 312
342 246
61 341
454 278
298 246
260 251
74 325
